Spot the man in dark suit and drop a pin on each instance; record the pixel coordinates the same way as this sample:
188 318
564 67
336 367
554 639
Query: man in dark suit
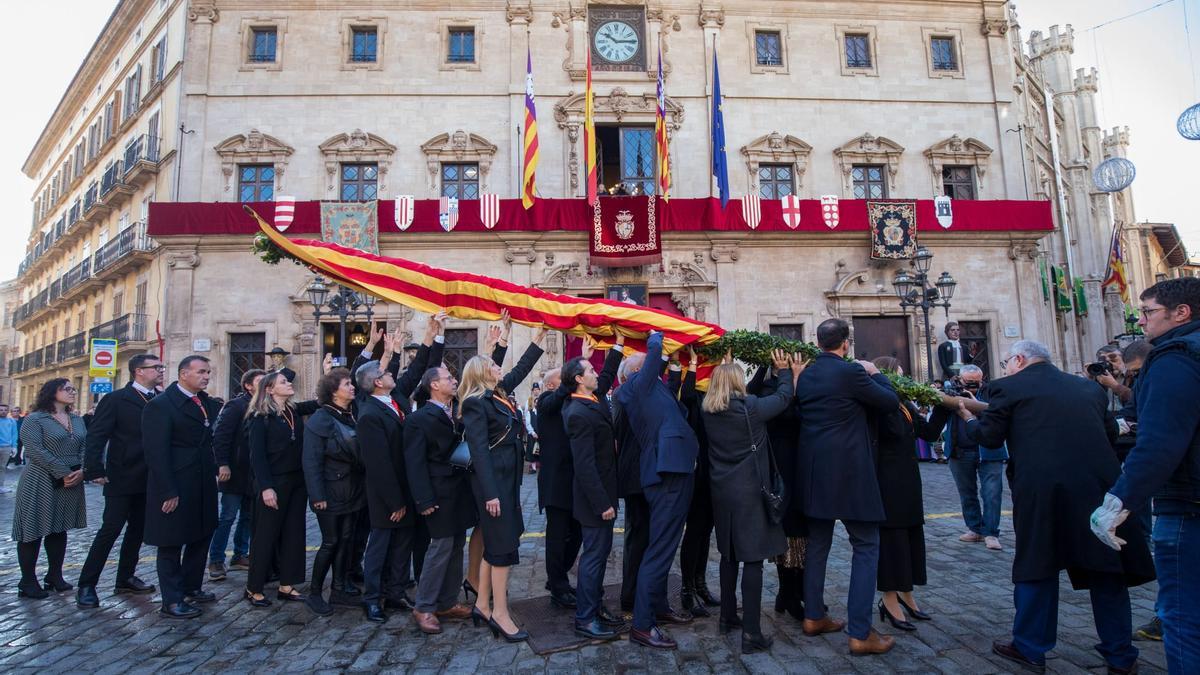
234 481
1059 433
588 424
836 474
122 472
181 488
629 484
950 354
669 451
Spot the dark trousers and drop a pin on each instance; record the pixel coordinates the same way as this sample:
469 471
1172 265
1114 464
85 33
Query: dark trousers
697 537
181 569
420 546
278 539
563 538
864 566
385 563
1035 626
589 591
337 546
752 575
636 539
126 512
441 574
669 501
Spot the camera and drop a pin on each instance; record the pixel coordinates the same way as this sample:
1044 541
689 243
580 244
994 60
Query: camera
1099 368
958 387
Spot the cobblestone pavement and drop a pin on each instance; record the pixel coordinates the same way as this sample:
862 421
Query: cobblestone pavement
969 595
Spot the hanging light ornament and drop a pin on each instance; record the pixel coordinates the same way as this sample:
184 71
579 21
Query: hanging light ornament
1189 123
1114 175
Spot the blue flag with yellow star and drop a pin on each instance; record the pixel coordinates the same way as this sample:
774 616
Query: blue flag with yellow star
720 165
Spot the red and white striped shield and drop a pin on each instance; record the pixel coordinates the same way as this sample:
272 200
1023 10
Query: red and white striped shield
829 210
489 209
791 211
404 211
752 210
285 212
448 213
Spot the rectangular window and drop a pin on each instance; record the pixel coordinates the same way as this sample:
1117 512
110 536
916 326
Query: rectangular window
140 297
363 45
945 57
787 331
262 44
775 181
460 181
247 351
858 50
133 91
958 182
359 182
461 345
768 48
118 303
97 312
256 182
108 120
462 45
158 61
869 182
637 161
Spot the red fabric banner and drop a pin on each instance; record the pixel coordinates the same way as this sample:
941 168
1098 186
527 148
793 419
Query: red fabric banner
625 232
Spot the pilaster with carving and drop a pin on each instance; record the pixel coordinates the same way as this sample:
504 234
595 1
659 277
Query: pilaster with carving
356 146
868 149
254 147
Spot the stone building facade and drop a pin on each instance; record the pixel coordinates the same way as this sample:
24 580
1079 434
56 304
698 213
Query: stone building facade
850 98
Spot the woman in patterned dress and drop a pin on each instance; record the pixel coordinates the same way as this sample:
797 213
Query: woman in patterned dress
50 498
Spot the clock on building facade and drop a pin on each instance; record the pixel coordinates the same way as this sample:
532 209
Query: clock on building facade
618 38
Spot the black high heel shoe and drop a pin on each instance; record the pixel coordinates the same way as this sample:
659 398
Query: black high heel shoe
469 590
34 591
58 585
902 624
257 602
497 631
915 613
478 617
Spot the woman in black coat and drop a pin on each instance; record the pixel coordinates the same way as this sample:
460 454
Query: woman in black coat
902 534
740 469
276 431
333 475
490 423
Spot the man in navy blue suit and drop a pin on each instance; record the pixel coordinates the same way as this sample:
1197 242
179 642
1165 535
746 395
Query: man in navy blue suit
836 479
669 451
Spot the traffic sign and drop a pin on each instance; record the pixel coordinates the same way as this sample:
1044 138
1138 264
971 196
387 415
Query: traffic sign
102 387
103 358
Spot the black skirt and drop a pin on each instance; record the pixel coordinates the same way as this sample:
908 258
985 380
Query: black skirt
901 558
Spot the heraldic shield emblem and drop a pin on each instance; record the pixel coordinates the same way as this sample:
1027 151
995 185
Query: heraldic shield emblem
893 229
829 211
404 212
624 224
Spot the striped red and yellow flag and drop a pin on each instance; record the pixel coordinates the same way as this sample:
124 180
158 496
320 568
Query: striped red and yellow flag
589 135
473 296
530 158
660 137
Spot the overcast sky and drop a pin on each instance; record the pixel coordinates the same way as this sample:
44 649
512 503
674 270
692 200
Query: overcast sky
1146 79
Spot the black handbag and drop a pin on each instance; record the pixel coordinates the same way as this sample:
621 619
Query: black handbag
772 492
460 459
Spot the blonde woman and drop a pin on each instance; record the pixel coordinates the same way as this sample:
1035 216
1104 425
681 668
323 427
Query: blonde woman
741 469
490 423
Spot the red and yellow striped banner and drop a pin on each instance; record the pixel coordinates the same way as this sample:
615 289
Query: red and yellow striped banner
473 296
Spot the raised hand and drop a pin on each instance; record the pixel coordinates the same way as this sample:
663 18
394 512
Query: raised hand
327 363
586 349
505 327
540 334
779 359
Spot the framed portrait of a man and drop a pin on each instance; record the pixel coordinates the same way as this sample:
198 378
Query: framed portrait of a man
633 294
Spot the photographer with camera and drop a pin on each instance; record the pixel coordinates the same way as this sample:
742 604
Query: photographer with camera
978 471
1112 372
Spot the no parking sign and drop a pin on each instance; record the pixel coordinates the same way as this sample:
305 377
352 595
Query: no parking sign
104 358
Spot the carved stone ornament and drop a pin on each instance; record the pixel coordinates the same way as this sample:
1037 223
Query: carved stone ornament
254 147
994 27
519 12
203 11
776 148
459 146
354 147
868 149
711 16
958 151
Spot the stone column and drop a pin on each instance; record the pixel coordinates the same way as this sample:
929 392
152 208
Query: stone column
179 293
725 254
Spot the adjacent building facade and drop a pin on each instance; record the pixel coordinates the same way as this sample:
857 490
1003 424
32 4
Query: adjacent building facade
246 101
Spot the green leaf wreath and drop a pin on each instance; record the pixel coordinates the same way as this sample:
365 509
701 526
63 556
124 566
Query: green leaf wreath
269 252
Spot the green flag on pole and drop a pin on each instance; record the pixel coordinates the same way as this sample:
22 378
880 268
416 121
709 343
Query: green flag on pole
1062 290
1045 281
1081 307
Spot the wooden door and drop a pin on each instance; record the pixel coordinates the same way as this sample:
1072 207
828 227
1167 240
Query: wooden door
876 336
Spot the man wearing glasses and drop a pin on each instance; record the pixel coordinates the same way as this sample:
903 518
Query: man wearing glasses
1165 463
118 425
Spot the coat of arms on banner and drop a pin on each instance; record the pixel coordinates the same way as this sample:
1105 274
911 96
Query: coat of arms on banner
829 211
944 211
624 225
285 212
893 229
404 212
752 210
448 213
489 209
625 232
791 211
351 224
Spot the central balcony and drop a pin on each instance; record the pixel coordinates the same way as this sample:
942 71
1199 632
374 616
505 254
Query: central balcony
78 280
114 191
126 328
130 247
141 160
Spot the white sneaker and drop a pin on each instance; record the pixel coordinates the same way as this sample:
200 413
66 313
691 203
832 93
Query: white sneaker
993 543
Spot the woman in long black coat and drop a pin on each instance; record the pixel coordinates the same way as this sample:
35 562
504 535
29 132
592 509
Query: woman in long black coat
740 469
333 475
902 534
491 426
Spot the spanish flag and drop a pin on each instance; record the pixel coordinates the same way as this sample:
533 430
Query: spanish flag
660 137
589 134
530 158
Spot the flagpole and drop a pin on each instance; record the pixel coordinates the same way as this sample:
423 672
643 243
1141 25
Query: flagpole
708 113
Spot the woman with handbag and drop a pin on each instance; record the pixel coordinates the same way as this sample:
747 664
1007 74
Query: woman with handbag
746 488
497 458
333 475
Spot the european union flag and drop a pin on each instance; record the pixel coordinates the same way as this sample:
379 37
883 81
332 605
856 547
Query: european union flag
720 165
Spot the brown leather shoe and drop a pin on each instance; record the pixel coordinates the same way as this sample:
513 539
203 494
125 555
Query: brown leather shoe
1009 651
427 623
826 624
874 644
673 616
455 613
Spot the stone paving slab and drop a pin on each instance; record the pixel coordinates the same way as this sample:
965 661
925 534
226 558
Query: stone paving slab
970 596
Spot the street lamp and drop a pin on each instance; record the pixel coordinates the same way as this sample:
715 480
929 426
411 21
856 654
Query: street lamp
914 290
343 303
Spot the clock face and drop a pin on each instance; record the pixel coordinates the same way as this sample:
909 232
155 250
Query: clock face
616 41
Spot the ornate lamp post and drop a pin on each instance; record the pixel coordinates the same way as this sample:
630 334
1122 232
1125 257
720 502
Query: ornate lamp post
344 303
914 290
